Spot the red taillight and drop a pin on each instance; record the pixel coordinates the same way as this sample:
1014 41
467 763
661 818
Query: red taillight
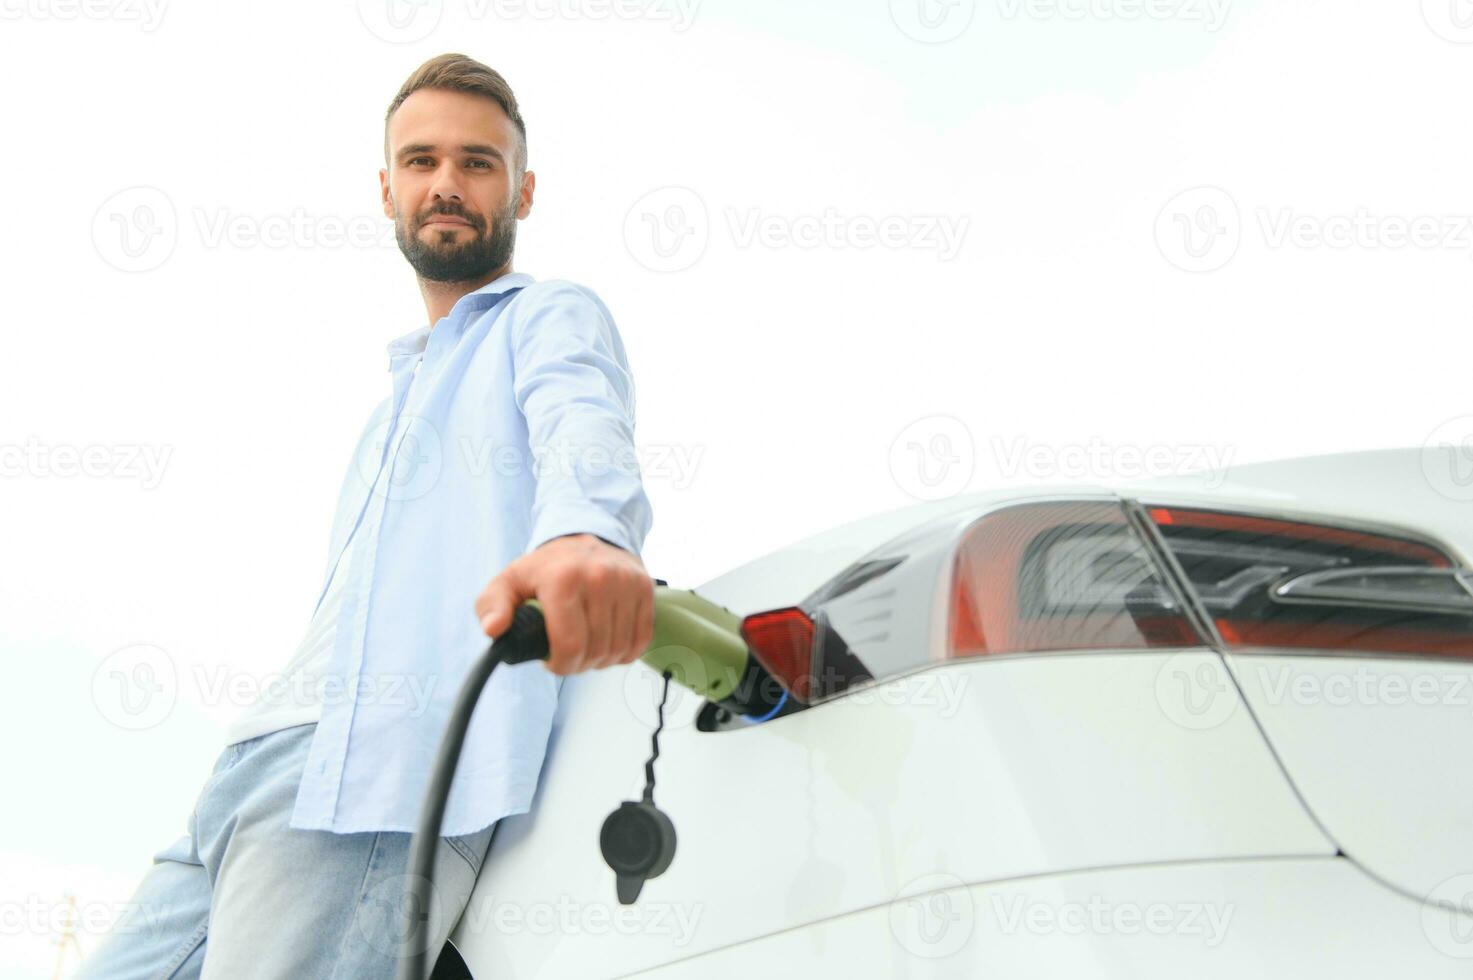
1271 528
1059 576
1217 548
782 642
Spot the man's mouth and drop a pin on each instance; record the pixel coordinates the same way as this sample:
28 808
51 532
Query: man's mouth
446 219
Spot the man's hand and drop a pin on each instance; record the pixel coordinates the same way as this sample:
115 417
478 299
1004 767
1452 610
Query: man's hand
598 600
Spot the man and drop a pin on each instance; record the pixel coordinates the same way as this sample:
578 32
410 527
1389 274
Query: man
504 454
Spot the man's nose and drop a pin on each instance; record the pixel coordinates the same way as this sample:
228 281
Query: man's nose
446 185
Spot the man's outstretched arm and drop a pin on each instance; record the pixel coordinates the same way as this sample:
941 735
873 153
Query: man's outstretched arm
590 513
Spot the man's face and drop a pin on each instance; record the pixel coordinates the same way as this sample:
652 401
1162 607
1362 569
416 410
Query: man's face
450 186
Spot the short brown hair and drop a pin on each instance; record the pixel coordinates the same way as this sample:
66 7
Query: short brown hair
458 73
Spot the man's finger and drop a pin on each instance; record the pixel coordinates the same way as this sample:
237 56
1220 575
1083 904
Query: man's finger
500 599
600 627
621 627
567 629
644 619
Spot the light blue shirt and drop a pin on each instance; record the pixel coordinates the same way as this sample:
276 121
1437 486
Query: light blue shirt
519 429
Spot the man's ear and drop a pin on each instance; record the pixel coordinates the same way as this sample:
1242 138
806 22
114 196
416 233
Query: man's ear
386 195
529 185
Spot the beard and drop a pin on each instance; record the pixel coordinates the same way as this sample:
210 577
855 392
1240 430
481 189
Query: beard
444 258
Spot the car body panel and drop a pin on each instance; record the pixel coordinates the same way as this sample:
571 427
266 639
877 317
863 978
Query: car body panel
982 769
1378 748
1290 918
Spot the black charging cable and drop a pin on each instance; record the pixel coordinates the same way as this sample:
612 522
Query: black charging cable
524 640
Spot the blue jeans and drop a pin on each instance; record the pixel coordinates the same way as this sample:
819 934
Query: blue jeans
244 895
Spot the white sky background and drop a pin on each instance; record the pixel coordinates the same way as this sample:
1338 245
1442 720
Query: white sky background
783 374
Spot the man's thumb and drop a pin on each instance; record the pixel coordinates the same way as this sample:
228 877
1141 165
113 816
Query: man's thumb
498 614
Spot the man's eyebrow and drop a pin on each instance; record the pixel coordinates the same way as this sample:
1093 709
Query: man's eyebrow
483 149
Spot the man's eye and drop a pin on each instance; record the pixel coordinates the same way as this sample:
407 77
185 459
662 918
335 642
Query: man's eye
417 160
482 163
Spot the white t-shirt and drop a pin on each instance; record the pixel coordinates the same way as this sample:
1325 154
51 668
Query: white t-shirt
291 697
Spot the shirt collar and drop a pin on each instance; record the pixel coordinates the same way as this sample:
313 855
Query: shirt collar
418 339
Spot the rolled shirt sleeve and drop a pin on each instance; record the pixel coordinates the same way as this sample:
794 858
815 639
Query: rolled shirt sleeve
574 387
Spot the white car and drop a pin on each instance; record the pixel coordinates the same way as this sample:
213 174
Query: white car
1193 727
